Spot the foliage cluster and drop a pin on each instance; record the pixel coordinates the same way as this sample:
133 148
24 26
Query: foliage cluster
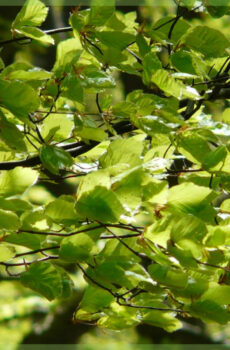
148 226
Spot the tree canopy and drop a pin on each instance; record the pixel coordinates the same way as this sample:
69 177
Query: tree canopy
142 212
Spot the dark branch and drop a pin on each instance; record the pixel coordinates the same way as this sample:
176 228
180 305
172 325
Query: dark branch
25 263
48 32
75 149
31 252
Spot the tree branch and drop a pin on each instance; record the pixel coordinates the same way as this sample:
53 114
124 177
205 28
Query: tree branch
75 149
48 32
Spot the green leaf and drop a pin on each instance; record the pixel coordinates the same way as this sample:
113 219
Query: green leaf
115 39
7 252
128 188
89 182
197 285
189 62
78 22
94 300
163 320
100 204
67 283
119 318
96 201
217 10
31 74
151 64
96 152
188 3
43 278
142 44
192 199
15 204
72 88
168 277
55 158
208 310
68 53
209 41
99 13
155 191
11 135
35 220
186 254
96 79
33 13
163 32
8 220
216 236
123 272
220 294
173 87
225 205
79 247
16 181
62 209
57 126
19 98
36 34
25 240
126 151
194 146
189 227
215 160
152 125
91 134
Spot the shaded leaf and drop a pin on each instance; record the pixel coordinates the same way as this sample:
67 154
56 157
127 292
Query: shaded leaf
43 278
55 158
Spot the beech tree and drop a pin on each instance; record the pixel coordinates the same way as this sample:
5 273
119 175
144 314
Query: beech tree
148 222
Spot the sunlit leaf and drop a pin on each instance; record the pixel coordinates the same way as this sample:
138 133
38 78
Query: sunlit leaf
209 41
33 13
19 98
16 181
173 87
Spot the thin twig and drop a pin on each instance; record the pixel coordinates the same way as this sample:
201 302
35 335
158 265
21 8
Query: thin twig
61 234
167 149
48 32
172 26
139 60
212 265
54 100
120 236
94 45
98 104
24 263
169 171
164 24
127 227
75 149
122 242
37 130
36 251
150 307
95 282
